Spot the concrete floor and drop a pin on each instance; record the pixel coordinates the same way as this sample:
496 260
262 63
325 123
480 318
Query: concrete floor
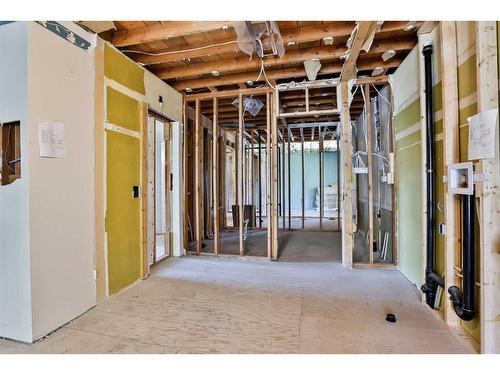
305 303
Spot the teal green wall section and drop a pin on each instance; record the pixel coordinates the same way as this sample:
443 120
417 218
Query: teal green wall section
311 176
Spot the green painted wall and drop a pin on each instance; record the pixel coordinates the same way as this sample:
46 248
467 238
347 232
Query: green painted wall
123 215
123 70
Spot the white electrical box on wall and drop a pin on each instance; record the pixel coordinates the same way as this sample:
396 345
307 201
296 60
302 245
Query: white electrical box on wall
461 178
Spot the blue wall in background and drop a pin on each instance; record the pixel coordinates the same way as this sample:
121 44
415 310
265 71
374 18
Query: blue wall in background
311 176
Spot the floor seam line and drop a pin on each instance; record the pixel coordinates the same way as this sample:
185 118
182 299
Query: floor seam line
118 337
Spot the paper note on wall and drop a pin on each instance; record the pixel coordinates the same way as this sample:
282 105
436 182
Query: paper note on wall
51 141
482 135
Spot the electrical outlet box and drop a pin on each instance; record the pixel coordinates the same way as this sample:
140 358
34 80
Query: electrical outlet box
461 178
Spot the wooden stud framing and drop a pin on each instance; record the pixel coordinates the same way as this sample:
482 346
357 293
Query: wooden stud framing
488 190
321 192
283 180
368 111
451 155
215 176
289 185
198 177
185 152
338 182
302 175
268 175
240 175
274 176
144 188
347 235
260 178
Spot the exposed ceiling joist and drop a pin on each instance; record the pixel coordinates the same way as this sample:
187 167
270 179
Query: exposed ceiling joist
362 33
164 30
294 56
285 73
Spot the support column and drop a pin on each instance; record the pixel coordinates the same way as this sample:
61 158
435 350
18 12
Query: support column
368 111
451 155
198 176
488 191
345 118
289 185
240 175
302 173
215 174
268 175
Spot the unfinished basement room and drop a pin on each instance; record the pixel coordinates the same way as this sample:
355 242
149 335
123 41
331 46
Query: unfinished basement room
286 186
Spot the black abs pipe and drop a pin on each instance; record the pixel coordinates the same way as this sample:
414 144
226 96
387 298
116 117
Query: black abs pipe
432 280
463 303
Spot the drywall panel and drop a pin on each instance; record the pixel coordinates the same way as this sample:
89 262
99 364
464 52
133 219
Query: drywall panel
122 110
61 191
171 105
123 223
15 288
121 69
405 87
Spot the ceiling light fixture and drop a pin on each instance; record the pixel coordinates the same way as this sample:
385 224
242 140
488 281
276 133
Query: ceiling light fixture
189 89
250 83
215 73
291 43
225 27
328 40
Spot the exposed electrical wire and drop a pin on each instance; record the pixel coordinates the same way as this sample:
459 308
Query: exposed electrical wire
179 51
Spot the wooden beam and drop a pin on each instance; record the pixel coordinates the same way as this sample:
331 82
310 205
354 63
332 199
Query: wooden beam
321 193
215 176
338 183
274 174
451 147
268 175
291 57
289 185
302 173
227 93
240 175
164 31
198 177
349 68
347 235
489 190
282 73
144 189
368 112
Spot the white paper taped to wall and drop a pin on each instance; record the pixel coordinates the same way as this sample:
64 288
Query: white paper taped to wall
482 135
51 141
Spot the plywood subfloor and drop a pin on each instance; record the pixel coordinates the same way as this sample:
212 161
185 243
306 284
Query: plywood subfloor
306 303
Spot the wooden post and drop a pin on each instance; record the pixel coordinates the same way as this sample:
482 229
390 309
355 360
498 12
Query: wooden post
289 185
451 155
302 174
251 201
275 173
283 182
260 180
240 175
185 152
338 182
320 153
268 175
488 191
215 177
198 170
347 238
144 189
368 111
